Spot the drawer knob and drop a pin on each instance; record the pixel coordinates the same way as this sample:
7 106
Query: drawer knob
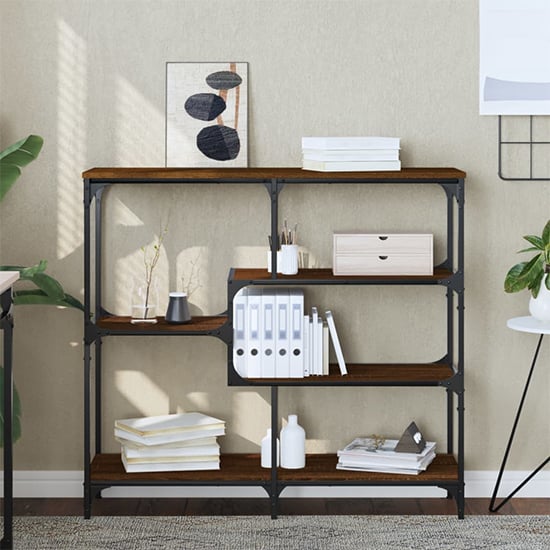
383 257
383 238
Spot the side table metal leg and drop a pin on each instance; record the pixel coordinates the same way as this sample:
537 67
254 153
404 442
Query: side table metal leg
492 506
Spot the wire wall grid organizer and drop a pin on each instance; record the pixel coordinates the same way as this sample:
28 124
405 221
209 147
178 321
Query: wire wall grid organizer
530 151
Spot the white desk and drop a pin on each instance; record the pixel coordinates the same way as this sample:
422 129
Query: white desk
533 326
7 279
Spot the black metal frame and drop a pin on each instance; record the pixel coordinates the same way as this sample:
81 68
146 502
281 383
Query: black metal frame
492 506
6 324
454 190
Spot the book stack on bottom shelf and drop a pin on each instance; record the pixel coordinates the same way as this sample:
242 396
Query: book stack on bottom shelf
361 455
172 442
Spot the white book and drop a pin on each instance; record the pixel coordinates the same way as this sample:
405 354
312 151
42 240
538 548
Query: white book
367 462
168 437
169 423
307 344
170 466
385 470
363 447
167 458
174 452
351 165
355 142
350 154
336 342
325 348
314 341
199 442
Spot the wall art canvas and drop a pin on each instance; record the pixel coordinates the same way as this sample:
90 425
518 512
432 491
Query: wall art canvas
206 114
514 61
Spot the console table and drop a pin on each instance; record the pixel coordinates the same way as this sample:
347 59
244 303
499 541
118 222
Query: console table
532 325
7 279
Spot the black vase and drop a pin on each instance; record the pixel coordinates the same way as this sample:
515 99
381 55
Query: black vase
178 309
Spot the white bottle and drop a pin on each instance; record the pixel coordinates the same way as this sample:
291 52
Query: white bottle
293 444
266 450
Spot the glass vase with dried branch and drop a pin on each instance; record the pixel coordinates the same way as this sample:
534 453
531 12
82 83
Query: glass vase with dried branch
145 291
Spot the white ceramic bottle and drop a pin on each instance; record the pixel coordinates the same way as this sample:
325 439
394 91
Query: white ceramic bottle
293 444
266 450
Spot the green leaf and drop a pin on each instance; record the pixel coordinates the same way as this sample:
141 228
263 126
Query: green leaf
14 158
532 269
39 297
530 249
16 411
534 285
26 273
546 233
513 282
49 285
537 242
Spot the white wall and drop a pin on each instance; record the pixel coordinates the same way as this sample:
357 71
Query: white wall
89 77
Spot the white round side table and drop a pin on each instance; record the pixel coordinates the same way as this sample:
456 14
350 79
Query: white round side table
534 326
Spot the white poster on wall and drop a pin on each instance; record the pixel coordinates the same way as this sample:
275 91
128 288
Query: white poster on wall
514 61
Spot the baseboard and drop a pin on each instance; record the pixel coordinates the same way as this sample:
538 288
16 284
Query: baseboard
68 484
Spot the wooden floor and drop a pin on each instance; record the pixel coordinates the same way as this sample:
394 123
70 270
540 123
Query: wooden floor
290 506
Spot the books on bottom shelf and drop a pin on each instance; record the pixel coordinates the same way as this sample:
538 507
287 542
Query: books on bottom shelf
173 442
360 455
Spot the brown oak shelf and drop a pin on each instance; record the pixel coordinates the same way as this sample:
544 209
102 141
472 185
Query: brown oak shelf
325 276
239 469
198 325
255 175
407 374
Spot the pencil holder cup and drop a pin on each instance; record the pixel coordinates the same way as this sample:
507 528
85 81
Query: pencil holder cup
178 309
278 261
289 259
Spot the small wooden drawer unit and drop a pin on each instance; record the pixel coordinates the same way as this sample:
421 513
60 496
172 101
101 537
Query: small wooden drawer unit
387 254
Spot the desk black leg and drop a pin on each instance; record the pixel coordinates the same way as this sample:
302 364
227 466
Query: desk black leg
7 325
492 506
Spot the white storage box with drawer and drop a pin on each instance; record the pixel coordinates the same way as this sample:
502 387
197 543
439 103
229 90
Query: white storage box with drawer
385 254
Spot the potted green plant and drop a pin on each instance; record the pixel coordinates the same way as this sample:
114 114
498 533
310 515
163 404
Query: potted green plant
45 289
533 274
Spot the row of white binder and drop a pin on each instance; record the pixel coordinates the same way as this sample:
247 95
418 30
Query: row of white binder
273 338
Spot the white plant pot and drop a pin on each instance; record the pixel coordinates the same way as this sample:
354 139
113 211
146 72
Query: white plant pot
539 307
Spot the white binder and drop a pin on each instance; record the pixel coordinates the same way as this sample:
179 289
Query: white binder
268 324
282 336
253 333
296 333
239 332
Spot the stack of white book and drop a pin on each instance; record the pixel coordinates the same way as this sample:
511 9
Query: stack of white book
171 442
350 154
361 455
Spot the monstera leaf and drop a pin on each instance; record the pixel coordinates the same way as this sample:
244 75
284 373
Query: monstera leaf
14 158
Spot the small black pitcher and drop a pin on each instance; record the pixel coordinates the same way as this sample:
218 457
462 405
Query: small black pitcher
178 309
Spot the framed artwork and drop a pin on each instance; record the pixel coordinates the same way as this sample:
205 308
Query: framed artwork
206 114
514 65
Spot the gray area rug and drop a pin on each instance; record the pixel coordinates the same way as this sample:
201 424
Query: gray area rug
285 533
